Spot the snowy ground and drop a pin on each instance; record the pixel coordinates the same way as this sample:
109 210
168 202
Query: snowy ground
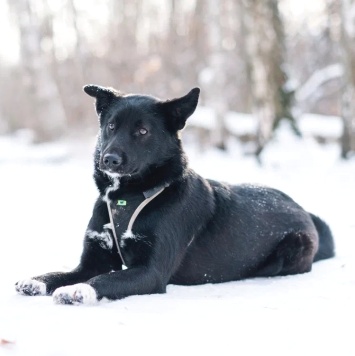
46 201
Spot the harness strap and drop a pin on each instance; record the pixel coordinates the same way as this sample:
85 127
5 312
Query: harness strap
114 231
140 208
133 217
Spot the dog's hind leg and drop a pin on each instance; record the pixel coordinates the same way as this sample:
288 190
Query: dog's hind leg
293 255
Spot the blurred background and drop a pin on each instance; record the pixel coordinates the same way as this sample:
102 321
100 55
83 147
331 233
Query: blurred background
277 108
259 63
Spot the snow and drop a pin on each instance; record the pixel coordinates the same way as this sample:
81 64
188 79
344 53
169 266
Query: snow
80 293
104 238
239 124
31 287
317 79
47 196
330 127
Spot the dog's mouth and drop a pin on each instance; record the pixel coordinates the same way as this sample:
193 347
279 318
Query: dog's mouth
118 173
113 175
115 166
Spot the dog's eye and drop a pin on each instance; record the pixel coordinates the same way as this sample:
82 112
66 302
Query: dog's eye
143 131
111 126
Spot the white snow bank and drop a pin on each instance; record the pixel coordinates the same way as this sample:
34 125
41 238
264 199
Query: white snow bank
44 211
18 149
246 124
320 125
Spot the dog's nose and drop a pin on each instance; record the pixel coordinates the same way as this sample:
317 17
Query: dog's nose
112 160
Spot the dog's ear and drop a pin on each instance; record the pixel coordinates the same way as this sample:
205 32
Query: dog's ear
178 110
104 96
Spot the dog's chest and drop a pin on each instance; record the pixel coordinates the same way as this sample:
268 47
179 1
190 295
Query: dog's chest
134 245
123 208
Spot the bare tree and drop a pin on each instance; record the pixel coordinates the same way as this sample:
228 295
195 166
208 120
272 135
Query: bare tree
348 88
46 114
235 50
272 101
216 73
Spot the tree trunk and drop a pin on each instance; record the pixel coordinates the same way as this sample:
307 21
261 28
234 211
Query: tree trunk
46 115
348 87
272 101
216 85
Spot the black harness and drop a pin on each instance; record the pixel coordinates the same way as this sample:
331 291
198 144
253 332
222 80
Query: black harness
124 211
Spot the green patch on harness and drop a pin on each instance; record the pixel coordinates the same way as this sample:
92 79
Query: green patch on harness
121 202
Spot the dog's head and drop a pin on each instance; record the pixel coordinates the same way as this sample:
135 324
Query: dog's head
138 132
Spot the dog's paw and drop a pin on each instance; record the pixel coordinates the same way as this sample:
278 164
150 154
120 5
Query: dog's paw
31 287
80 293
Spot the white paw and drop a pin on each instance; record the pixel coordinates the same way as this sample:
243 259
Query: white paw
80 293
31 287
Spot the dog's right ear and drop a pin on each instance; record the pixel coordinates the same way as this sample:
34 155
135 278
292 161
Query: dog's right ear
104 96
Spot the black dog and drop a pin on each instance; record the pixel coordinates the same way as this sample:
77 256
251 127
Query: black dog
157 222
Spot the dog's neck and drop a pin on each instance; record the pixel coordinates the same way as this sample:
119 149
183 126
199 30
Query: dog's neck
165 174
157 176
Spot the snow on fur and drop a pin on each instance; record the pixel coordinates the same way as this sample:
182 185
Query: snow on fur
31 287
80 293
104 238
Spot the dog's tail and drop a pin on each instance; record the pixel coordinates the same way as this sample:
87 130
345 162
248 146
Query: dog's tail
326 247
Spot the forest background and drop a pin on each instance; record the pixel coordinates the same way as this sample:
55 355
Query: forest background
274 59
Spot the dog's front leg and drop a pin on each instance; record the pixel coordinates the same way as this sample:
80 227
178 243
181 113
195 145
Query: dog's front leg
98 257
148 278
47 283
95 260
113 285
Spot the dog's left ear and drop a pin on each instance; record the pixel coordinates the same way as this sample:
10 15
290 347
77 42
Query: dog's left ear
178 110
104 96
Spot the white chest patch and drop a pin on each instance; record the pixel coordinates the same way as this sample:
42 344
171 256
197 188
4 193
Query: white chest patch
128 234
103 238
115 178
